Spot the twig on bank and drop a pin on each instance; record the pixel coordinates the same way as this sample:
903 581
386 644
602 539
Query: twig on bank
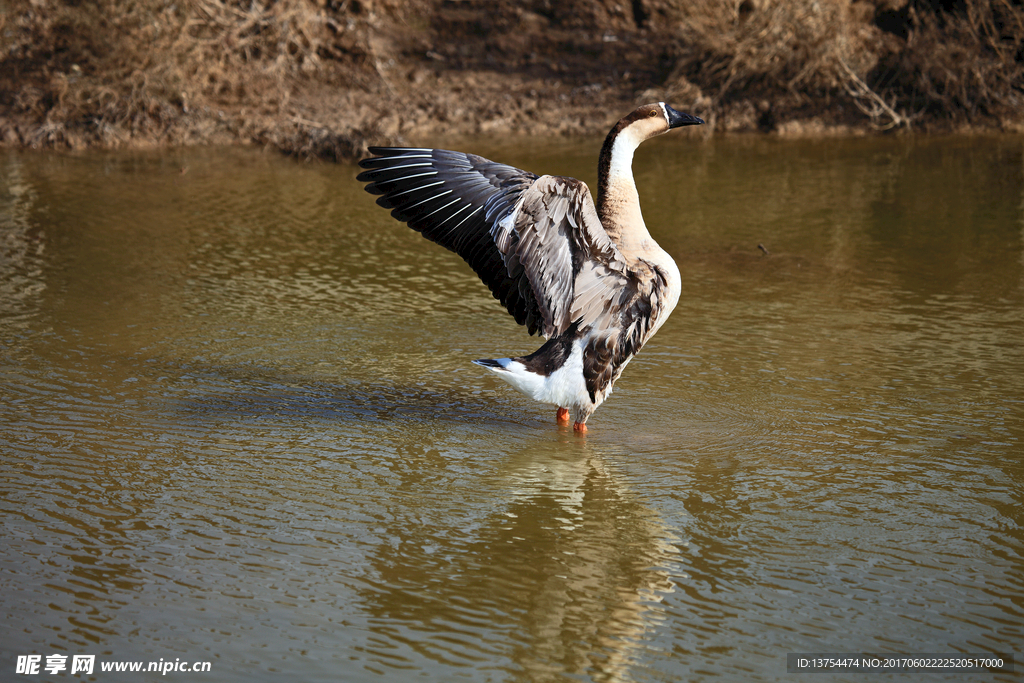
870 102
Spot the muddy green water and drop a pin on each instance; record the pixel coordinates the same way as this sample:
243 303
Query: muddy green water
240 425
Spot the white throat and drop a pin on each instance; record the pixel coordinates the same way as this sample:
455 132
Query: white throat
622 213
620 171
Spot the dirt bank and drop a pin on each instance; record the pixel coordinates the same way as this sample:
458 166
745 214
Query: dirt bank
327 77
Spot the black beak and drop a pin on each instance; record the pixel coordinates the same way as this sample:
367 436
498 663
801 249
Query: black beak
678 118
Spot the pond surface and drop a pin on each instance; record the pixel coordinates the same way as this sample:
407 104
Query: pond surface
240 423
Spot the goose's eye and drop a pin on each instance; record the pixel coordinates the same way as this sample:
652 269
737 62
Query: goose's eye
653 113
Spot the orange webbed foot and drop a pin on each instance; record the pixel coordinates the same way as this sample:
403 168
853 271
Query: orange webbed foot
562 416
579 427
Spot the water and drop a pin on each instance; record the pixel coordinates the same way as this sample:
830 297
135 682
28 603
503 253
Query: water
240 424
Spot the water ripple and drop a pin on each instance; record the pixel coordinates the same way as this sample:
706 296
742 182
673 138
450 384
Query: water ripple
240 425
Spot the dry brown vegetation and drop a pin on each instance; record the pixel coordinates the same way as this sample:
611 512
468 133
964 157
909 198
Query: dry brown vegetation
326 77
114 72
894 62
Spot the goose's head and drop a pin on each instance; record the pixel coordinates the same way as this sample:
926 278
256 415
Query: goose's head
653 119
642 123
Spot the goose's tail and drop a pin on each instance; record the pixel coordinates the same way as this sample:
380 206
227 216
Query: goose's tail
496 364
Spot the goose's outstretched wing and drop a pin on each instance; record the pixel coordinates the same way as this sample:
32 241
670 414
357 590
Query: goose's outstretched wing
455 199
527 237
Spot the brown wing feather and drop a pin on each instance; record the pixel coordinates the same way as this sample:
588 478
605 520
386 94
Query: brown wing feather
458 200
622 323
559 236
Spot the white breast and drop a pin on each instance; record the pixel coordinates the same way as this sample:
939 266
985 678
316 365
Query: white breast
671 293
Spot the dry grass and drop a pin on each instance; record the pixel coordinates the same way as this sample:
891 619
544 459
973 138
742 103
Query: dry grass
892 61
113 72
964 63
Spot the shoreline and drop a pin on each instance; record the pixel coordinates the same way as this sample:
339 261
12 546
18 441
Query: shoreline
323 144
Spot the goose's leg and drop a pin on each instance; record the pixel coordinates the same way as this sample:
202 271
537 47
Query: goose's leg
580 427
562 416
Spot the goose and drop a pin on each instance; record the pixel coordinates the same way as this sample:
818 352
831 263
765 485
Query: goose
589 278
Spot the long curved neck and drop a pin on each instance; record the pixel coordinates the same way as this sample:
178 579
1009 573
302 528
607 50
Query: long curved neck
618 204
